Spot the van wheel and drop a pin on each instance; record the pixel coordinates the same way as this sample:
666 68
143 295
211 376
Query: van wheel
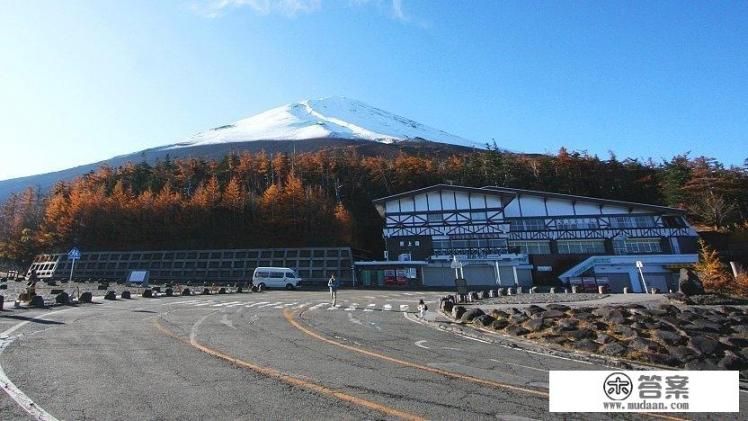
289 286
261 285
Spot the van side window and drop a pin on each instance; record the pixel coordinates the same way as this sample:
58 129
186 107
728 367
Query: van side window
276 274
261 275
290 275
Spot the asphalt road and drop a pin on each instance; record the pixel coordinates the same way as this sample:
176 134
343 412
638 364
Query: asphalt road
274 355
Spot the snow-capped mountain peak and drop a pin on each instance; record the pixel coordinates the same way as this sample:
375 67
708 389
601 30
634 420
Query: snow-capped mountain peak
332 117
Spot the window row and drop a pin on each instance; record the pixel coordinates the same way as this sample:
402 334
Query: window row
204 265
637 246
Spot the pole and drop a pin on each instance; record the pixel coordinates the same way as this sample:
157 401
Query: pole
646 288
72 267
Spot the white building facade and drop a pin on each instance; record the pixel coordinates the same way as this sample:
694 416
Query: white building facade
512 237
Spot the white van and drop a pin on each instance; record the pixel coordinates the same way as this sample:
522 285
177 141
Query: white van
276 278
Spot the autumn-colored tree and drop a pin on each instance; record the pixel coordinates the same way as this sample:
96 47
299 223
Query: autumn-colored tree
712 272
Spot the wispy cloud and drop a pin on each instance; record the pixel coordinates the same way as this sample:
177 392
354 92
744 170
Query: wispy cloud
292 8
287 8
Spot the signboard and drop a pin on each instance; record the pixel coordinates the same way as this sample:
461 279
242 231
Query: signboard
74 254
545 269
639 264
138 277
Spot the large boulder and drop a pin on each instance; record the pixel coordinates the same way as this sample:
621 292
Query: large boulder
86 297
532 309
471 314
689 282
62 298
37 301
186 292
447 306
147 293
126 295
667 337
484 320
534 325
704 345
457 312
110 295
614 349
169 292
499 324
517 330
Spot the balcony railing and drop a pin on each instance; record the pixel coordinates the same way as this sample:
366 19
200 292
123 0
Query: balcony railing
475 252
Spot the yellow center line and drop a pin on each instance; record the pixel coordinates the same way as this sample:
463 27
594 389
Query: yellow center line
289 316
294 381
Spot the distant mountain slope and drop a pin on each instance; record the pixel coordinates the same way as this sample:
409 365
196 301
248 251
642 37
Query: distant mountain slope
306 126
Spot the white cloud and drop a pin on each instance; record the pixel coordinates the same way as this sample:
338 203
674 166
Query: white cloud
291 8
287 8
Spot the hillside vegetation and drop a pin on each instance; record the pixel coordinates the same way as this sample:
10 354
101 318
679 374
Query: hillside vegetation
325 197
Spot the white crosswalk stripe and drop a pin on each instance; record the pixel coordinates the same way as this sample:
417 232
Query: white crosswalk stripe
302 305
225 304
258 303
404 307
239 303
387 307
315 307
204 304
271 304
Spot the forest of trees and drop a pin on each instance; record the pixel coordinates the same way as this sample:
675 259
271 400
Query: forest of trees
325 197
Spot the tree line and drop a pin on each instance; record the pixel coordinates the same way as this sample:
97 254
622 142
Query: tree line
325 197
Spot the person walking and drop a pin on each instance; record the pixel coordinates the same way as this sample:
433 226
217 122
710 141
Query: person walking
422 307
333 285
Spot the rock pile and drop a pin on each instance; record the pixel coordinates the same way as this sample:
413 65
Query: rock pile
694 338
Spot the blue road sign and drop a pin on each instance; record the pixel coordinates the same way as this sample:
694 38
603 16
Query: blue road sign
74 254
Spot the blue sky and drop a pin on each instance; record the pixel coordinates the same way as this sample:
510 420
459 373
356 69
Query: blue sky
83 81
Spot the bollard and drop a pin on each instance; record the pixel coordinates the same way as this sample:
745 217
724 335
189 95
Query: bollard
534 290
575 289
186 291
625 290
553 290
510 291
602 289
491 293
654 290
501 292
126 295
239 290
565 290
519 290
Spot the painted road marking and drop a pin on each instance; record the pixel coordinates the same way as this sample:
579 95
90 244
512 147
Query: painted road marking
387 307
404 307
420 344
237 304
302 305
460 376
11 389
204 304
288 379
257 304
519 365
270 305
225 304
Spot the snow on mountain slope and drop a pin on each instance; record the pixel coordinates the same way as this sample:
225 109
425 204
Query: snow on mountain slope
334 117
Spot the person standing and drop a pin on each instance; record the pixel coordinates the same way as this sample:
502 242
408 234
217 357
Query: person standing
333 285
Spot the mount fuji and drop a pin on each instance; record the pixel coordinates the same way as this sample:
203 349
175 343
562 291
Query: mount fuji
309 125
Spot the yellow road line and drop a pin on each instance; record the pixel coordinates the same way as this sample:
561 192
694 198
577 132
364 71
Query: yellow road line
289 316
304 384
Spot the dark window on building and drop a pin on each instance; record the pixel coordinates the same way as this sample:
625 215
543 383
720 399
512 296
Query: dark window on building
318 274
277 263
157 256
156 265
265 254
212 274
253 254
213 265
94 257
192 255
180 255
318 263
319 253
264 263
241 254
168 255
345 253
292 253
304 263
291 263
166 265
111 265
304 253
178 265
238 264
279 253
304 273
345 263
189 265
203 256
332 253
225 273
202 265
332 263
228 254
147 256
226 264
